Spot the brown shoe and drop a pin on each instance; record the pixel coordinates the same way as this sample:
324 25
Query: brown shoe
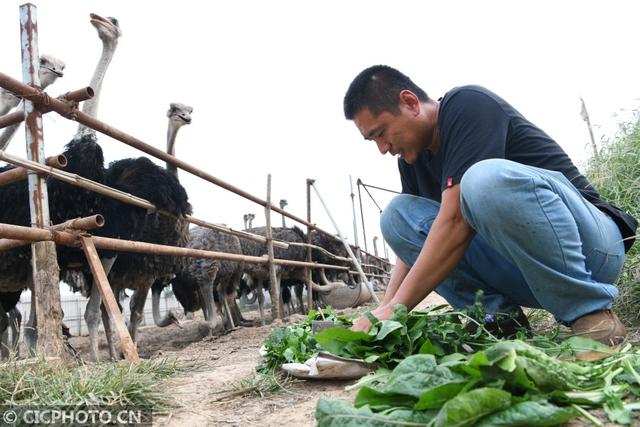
603 326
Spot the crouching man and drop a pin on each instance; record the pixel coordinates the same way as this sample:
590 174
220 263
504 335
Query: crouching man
490 202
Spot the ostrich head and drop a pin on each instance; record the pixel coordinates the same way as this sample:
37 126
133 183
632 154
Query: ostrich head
108 31
179 114
50 69
108 28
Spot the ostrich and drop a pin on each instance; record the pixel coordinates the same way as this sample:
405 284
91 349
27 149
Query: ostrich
140 271
256 275
84 158
50 69
202 278
138 176
248 218
179 115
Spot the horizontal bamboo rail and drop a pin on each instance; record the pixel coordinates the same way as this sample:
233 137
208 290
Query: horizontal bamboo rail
384 276
38 97
88 184
20 173
12 119
321 249
86 223
66 109
241 234
17 232
70 99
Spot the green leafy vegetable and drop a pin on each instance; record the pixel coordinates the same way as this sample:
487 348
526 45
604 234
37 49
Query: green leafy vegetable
510 383
296 343
529 414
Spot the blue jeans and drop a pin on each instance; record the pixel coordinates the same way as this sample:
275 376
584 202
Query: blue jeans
539 243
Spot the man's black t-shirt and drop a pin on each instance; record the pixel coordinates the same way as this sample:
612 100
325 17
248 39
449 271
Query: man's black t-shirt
476 124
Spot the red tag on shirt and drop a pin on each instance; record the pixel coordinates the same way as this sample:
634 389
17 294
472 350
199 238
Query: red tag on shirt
449 182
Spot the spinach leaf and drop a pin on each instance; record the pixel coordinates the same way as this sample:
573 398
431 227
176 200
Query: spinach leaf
467 408
338 413
529 414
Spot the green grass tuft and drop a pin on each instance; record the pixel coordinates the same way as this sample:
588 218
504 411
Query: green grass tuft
53 383
615 173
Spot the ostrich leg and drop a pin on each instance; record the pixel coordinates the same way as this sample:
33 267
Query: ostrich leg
15 321
298 291
4 331
30 332
206 294
226 309
92 312
92 317
260 293
136 305
108 327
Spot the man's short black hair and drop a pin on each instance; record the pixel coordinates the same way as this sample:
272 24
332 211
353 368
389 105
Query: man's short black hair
378 89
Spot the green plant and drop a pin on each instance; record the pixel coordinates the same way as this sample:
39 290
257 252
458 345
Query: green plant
296 343
509 383
615 173
49 383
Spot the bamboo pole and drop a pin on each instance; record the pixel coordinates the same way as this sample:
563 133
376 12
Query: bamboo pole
12 119
308 270
109 301
276 306
321 249
356 262
364 232
44 263
353 209
87 184
20 173
64 109
84 224
239 233
11 231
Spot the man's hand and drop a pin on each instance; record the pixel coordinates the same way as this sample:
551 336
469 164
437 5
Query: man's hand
384 312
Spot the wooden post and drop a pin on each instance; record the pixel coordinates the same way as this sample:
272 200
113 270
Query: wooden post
276 307
109 301
585 116
309 229
44 263
353 209
364 232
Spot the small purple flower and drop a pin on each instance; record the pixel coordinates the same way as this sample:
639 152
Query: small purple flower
489 318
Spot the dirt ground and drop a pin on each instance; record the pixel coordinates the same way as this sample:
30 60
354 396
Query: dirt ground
206 397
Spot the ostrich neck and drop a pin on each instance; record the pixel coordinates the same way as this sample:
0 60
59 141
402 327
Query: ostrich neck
172 131
90 107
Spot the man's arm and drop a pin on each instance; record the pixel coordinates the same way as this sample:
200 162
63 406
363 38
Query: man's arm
446 243
397 276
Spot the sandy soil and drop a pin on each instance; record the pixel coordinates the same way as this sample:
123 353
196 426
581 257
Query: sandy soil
208 396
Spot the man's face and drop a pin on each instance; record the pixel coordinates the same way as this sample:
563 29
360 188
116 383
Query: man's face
397 134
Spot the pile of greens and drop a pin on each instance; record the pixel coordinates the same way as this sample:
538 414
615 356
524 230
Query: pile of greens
296 343
510 383
428 331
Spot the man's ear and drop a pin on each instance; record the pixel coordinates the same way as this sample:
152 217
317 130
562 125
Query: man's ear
409 101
